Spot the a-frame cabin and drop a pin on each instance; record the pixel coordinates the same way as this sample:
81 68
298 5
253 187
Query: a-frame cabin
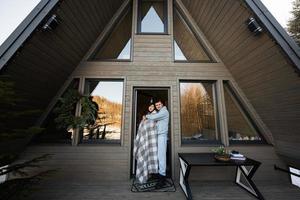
222 83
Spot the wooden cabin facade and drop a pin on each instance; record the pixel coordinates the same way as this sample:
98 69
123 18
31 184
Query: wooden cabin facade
260 74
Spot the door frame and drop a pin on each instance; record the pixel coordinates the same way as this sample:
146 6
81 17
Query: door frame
133 125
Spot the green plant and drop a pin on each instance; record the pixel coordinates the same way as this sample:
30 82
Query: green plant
66 118
16 121
220 150
22 186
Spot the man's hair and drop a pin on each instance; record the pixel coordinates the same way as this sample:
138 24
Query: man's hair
160 100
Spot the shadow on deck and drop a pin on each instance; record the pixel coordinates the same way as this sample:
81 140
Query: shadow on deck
208 190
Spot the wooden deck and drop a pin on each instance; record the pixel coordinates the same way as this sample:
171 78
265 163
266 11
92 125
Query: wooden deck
224 190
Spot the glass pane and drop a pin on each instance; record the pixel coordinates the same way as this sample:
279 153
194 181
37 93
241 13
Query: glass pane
118 44
240 127
152 16
125 53
108 97
197 111
178 52
187 42
52 134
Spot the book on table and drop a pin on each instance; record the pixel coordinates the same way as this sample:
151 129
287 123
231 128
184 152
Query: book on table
237 156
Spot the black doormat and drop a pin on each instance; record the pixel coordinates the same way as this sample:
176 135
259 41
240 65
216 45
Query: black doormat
150 186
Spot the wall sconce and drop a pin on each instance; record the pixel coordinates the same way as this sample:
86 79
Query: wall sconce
253 26
51 23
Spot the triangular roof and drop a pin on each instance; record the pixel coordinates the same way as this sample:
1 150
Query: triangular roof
32 21
79 28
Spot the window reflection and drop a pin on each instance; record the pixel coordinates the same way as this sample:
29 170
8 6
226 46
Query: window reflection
51 133
240 127
188 46
108 97
198 121
117 45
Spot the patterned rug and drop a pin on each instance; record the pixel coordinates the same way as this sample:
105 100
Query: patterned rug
150 186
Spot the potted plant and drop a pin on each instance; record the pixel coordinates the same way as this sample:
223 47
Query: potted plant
221 154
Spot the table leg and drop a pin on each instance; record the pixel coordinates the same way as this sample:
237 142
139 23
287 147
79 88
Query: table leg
248 174
183 179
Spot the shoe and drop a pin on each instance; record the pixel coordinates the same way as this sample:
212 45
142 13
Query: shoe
153 177
161 182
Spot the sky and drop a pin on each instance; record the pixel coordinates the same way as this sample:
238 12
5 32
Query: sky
111 90
12 12
280 9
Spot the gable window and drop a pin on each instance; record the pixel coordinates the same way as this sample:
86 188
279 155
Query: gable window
241 128
152 17
187 46
108 98
198 112
116 46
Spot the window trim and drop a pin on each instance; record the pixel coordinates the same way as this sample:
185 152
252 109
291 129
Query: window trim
139 19
120 141
217 119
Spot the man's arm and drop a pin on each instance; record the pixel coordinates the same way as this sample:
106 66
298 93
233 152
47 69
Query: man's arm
158 116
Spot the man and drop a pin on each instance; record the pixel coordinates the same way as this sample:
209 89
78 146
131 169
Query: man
162 122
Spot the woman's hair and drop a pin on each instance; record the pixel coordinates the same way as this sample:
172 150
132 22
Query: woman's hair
150 104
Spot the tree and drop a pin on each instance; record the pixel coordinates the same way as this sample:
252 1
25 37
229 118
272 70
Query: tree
15 128
65 111
294 23
16 131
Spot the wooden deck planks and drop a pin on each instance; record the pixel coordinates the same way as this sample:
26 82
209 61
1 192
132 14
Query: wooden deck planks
208 190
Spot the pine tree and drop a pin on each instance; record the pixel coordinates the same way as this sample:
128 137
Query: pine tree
15 130
294 23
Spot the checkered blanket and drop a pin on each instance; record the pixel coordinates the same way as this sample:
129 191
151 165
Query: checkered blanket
145 150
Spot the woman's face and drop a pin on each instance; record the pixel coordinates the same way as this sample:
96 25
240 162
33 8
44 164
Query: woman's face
151 108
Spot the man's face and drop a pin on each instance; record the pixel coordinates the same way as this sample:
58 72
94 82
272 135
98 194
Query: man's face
158 105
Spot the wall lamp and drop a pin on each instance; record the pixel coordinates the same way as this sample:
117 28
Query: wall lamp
253 26
51 23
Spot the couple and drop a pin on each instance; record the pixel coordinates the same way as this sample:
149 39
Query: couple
150 147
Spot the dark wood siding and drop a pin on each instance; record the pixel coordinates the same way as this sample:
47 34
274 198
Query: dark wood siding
258 65
46 60
152 66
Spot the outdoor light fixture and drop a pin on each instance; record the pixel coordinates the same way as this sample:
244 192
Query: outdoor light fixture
253 26
51 24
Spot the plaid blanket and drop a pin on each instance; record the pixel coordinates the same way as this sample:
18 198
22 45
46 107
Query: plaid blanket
145 150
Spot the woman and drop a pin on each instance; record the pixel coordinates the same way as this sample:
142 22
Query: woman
145 148
151 109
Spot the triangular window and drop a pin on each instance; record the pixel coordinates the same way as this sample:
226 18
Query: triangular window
117 44
152 16
178 52
241 127
190 45
125 53
152 22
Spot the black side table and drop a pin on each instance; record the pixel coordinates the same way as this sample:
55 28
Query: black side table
188 160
